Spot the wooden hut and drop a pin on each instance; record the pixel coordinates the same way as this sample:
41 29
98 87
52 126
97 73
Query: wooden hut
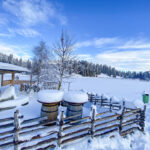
13 69
50 100
75 101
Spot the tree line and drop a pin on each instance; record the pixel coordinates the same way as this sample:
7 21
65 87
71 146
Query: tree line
16 61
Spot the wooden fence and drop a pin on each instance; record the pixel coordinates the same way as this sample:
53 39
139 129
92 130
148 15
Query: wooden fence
39 133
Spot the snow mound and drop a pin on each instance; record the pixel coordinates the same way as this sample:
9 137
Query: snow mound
75 97
50 96
8 93
14 103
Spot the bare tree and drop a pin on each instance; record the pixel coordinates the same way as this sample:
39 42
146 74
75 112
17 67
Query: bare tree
63 50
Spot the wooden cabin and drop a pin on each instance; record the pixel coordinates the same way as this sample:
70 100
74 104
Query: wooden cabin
6 68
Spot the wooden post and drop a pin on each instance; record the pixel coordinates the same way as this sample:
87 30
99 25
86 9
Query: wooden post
92 123
13 78
31 79
21 87
110 105
16 129
101 100
142 118
2 79
60 128
121 120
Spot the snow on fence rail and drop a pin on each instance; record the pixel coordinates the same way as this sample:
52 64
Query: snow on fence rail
39 133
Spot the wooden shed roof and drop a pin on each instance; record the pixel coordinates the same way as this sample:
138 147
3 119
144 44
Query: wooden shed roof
5 67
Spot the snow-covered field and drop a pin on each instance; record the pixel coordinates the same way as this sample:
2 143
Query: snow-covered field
121 89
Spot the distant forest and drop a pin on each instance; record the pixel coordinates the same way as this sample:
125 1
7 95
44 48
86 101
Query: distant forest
83 68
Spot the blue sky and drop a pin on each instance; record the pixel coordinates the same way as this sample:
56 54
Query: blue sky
113 32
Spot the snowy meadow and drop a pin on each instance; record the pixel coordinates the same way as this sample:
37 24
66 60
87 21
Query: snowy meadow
120 89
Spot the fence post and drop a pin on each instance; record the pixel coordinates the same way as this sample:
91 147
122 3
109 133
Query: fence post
110 105
142 118
92 122
121 119
16 129
60 128
101 100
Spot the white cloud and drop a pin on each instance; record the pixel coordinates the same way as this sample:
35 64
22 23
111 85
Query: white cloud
98 42
126 60
32 12
86 57
135 44
15 50
27 32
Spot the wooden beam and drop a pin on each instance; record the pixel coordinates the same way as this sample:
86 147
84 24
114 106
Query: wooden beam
13 78
2 79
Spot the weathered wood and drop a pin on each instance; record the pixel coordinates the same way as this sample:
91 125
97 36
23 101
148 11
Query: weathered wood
39 144
2 78
50 110
16 129
50 146
107 132
6 145
92 123
108 127
39 124
108 117
99 114
124 133
60 128
8 119
101 124
84 118
34 120
70 117
78 125
121 117
8 125
134 114
74 138
6 132
74 109
38 137
6 138
75 132
132 111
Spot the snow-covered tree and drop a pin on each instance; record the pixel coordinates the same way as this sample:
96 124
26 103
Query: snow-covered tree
63 51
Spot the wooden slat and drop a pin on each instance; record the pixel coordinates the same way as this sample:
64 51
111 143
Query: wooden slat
70 117
132 111
108 117
101 129
50 146
8 144
9 119
78 125
134 114
6 138
74 138
85 118
107 132
39 144
98 125
6 132
75 132
34 120
38 125
8 125
124 133
38 137
99 114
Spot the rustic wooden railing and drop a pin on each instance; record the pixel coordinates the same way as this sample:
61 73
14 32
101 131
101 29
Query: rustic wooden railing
39 133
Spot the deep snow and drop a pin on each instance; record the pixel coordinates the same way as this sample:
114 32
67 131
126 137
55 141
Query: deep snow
120 89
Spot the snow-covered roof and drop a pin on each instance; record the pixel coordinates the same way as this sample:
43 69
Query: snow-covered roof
50 96
11 67
75 97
